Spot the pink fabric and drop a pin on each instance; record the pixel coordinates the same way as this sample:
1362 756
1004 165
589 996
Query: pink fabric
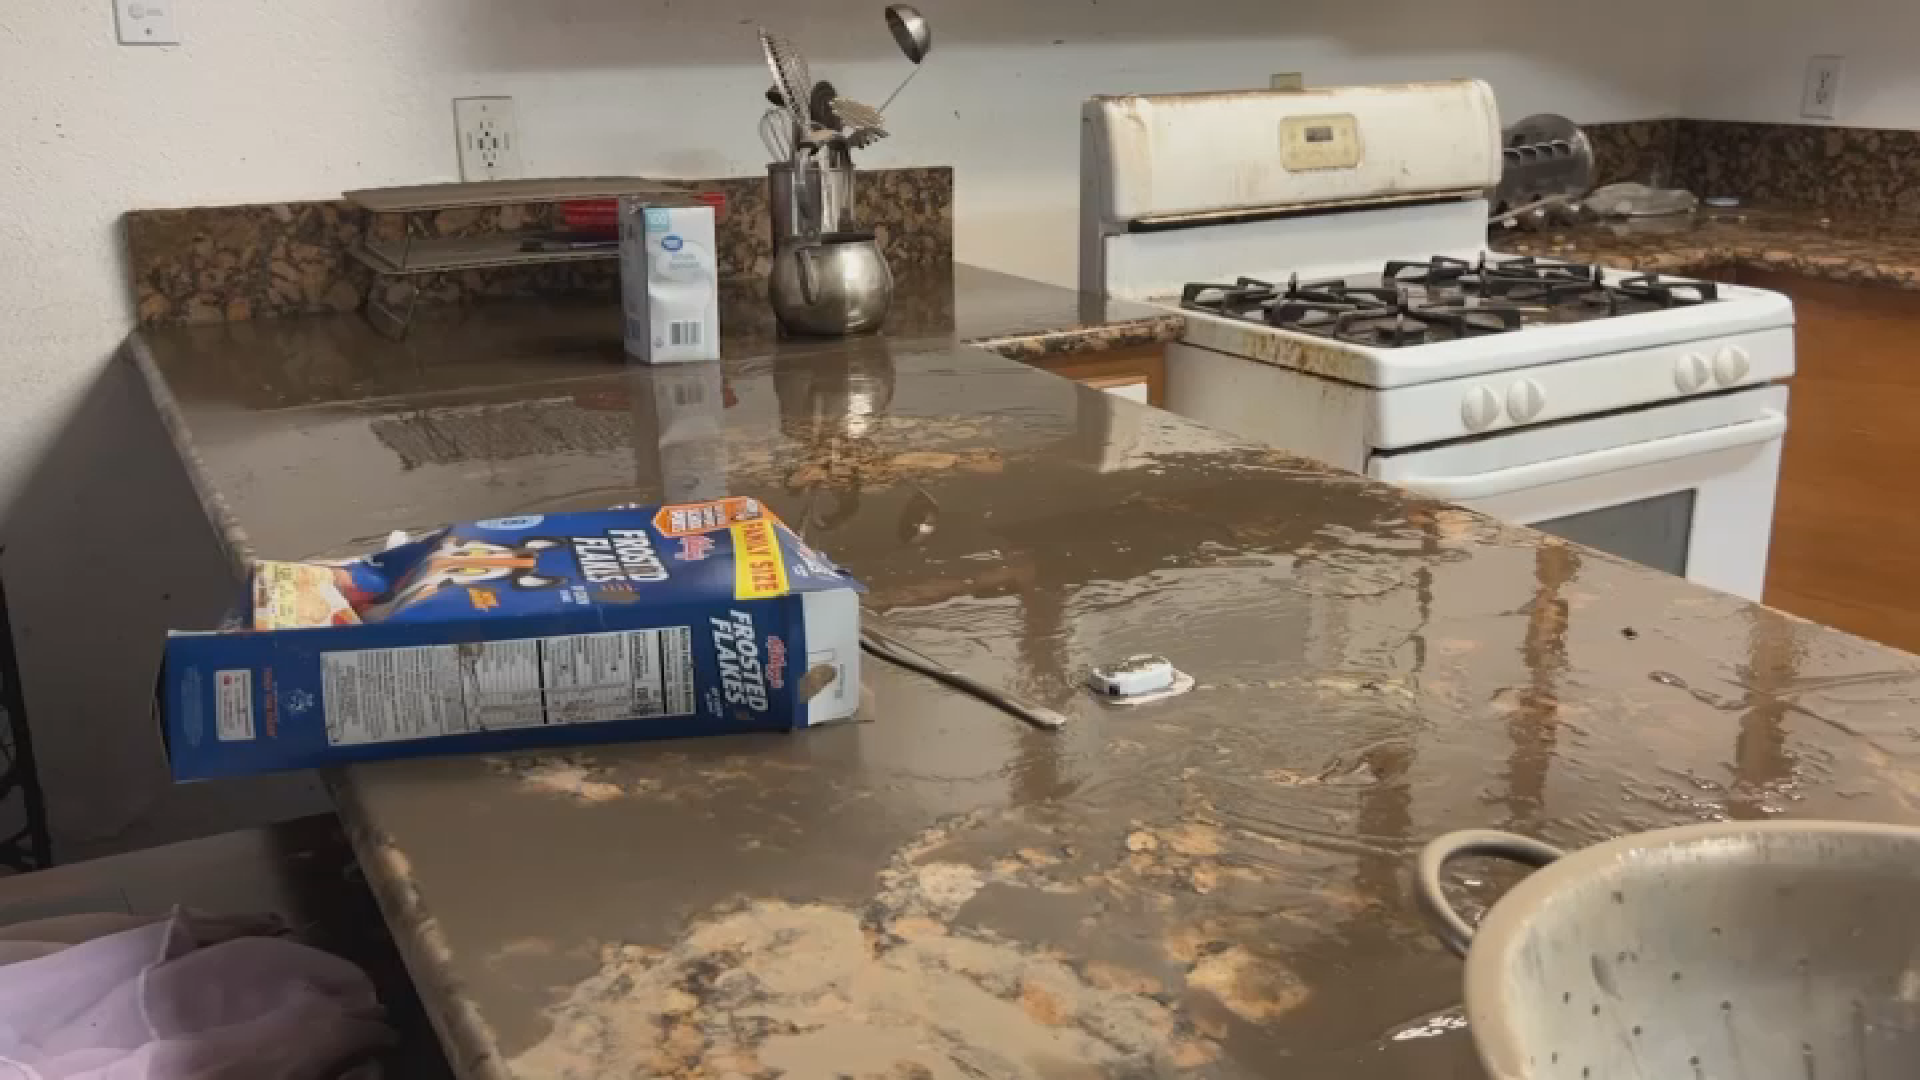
177 998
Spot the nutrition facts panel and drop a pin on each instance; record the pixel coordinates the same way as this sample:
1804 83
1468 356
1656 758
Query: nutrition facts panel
391 695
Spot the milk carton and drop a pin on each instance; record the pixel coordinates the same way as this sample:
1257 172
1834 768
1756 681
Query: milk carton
669 282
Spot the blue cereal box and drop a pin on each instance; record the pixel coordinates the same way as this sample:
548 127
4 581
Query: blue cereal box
540 630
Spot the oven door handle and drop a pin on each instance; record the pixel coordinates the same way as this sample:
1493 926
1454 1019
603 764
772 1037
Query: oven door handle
1770 426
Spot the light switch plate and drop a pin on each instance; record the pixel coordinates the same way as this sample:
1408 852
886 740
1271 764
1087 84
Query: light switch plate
145 22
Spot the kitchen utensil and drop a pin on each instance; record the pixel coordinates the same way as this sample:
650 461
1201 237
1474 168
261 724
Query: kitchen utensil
777 134
820 107
888 647
564 240
811 199
828 120
1630 200
919 518
1536 207
915 39
1776 950
1541 156
836 285
790 74
864 124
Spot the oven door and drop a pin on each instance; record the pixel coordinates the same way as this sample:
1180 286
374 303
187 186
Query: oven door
1685 487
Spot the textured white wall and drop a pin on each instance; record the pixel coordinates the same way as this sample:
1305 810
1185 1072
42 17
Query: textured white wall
270 100
1752 62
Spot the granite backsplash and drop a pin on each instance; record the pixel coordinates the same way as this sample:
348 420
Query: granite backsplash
231 263
1639 150
1848 172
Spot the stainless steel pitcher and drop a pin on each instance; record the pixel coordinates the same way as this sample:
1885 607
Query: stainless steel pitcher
836 285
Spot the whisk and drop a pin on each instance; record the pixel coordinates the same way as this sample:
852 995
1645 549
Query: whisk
779 134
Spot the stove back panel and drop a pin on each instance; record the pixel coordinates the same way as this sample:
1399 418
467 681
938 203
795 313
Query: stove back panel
1157 263
1163 155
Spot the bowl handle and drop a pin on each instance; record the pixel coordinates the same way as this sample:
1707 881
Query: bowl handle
1453 930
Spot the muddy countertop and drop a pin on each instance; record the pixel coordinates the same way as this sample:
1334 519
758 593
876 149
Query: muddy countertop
277 363
1798 241
1215 885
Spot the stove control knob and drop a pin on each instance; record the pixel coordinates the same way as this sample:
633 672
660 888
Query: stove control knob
1730 364
1481 409
1525 399
1691 373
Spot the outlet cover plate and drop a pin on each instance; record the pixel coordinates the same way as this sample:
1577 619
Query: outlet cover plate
145 22
1822 92
489 132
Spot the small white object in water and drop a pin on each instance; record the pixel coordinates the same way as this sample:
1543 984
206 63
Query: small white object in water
1138 680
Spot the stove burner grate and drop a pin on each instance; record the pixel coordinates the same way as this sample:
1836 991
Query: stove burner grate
1444 298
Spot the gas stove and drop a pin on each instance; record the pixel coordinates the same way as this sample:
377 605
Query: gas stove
1444 299
1328 249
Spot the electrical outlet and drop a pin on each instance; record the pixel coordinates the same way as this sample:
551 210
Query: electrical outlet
1822 92
489 132
145 22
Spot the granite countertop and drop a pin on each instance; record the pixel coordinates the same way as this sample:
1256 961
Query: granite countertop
1799 241
341 357
1212 885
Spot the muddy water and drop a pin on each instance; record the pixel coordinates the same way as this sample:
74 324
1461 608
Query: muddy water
1212 885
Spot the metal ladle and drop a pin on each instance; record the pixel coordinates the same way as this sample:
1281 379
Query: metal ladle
915 38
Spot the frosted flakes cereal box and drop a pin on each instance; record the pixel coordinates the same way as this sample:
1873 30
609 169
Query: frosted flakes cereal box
521 632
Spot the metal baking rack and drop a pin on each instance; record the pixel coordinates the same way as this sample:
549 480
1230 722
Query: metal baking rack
390 308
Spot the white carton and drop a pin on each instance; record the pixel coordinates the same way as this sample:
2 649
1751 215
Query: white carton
669 282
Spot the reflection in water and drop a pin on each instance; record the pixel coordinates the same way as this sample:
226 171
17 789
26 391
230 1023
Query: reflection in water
1338 1030
1533 728
834 406
1763 765
679 442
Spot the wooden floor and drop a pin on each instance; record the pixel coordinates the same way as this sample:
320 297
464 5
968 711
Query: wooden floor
1846 534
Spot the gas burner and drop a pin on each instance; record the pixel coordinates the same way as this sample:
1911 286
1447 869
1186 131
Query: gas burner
1317 316
1528 280
1340 291
1528 267
1416 323
1666 292
1439 270
1412 302
1246 295
1392 319
1317 306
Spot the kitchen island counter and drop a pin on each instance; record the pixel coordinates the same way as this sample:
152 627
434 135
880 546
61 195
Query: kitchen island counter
1215 884
1853 250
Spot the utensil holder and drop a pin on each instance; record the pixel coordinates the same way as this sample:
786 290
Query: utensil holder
806 199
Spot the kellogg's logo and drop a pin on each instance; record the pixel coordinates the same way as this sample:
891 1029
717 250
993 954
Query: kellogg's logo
776 663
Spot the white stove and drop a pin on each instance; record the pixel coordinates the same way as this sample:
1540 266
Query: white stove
1329 251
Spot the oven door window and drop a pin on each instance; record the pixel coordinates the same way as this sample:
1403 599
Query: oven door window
1654 532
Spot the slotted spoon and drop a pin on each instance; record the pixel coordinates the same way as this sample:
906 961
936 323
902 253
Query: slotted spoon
790 74
863 123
